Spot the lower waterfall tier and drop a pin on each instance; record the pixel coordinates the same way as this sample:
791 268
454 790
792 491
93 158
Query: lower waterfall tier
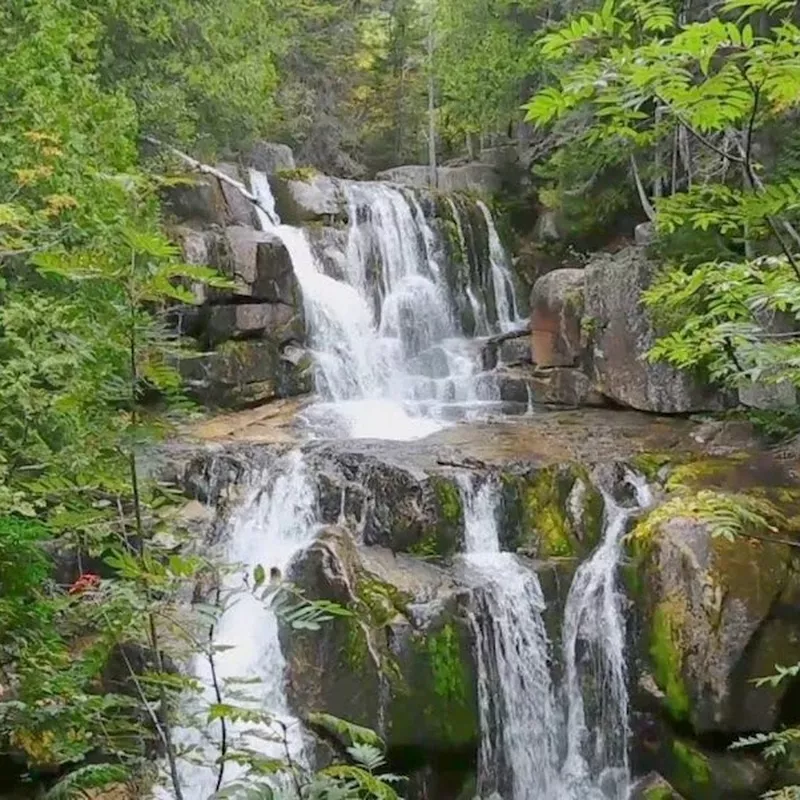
393 527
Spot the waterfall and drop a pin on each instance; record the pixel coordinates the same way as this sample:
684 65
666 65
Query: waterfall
276 521
502 280
537 743
519 723
478 308
391 361
593 641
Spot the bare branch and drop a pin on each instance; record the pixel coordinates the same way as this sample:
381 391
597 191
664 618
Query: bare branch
198 166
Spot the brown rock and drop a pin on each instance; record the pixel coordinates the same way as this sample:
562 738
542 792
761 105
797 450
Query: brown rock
622 333
556 313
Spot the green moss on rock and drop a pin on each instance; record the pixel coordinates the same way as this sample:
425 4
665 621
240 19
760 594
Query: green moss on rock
556 511
438 702
666 656
692 770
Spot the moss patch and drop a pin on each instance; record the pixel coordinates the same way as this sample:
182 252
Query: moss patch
302 174
692 771
443 538
658 793
666 656
445 658
437 704
551 522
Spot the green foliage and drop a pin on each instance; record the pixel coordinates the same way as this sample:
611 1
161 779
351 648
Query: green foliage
727 514
635 78
776 745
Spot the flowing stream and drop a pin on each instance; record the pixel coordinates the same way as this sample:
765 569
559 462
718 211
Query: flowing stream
515 694
540 742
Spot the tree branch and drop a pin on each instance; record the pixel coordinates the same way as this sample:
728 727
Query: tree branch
643 198
198 166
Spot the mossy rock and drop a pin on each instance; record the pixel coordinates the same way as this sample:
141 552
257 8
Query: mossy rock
436 705
705 625
552 512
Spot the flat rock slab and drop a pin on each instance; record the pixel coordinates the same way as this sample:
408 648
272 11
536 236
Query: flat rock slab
548 437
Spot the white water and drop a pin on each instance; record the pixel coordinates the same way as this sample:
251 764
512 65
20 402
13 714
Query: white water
276 521
537 743
390 360
519 724
593 641
504 291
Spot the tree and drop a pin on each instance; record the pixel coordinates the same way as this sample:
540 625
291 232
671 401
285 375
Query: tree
697 95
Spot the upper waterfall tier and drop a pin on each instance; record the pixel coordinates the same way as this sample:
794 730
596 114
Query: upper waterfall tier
391 307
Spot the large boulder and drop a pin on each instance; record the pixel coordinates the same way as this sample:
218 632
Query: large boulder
240 211
677 767
205 199
245 373
270 157
564 386
403 664
417 176
557 304
309 197
711 621
259 265
275 321
479 178
622 333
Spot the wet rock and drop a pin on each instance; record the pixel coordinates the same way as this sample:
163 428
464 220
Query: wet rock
695 772
654 787
709 623
330 247
259 265
245 373
402 665
247 320
316 198
515 351
556 312
550 512
270 157
432 363
240 211
622 332
564 386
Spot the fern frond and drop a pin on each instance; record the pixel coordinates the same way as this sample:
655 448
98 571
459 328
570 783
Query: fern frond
91 776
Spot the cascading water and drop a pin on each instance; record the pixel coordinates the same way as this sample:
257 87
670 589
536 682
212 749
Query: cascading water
593 643
504 291
276 521
536 743
391 360
519 724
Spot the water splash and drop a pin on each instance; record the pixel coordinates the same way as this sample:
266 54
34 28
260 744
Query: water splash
276 521
502 280
519 723
595 682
